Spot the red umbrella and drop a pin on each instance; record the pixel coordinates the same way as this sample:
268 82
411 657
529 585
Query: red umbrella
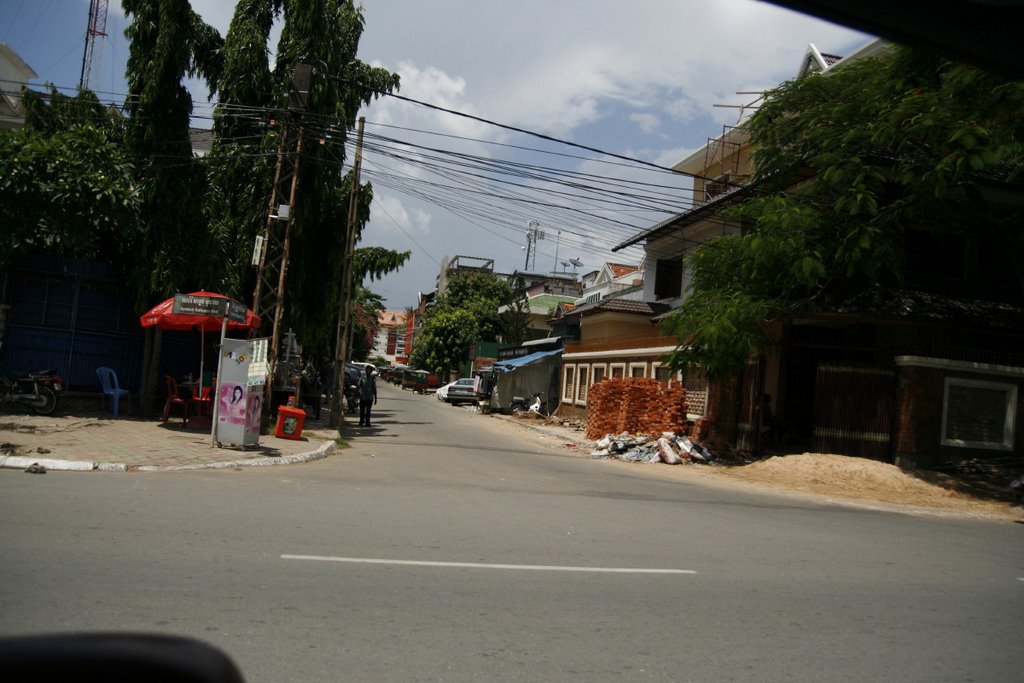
163 316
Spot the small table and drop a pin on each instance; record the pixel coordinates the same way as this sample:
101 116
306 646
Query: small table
203 404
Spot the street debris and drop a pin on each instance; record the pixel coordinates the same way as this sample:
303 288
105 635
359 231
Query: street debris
35 468
668 448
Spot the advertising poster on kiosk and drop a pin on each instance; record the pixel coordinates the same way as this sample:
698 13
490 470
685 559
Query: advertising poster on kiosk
239 403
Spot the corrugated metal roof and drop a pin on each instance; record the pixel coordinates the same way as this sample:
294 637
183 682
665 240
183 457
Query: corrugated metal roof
513 363
690 217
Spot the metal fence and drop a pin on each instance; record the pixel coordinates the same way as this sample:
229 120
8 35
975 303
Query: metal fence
75 316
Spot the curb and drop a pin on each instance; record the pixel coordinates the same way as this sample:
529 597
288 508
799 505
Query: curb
21 462
321 452
548 431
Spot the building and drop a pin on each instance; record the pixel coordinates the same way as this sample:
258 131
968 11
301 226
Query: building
613 279
923 371
389 344
14 75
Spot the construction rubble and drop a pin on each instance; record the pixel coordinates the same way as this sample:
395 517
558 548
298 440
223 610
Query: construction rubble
669 448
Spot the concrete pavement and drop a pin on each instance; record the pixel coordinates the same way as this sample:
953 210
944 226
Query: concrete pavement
91 441
94 442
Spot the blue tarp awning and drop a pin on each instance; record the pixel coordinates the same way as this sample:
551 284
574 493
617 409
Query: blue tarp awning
513 363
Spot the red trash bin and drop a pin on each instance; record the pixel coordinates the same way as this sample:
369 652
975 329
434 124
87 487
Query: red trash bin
289 422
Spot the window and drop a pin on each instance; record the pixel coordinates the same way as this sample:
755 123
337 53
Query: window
638 369
617 370
668 278
662 374
979 414
597 373
568 383
581 384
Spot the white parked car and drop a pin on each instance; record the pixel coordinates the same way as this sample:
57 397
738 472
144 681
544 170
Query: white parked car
461 391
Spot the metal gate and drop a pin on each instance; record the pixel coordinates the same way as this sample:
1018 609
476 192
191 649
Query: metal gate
748 417
853 411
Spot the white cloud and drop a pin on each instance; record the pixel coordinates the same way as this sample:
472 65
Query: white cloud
398 219
648 123
683 109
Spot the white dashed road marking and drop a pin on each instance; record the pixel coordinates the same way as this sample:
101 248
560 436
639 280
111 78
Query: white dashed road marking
482 565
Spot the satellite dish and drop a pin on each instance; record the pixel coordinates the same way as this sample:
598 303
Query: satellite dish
576 262
565 263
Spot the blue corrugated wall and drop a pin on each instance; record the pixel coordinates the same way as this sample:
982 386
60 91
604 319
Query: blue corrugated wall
75 316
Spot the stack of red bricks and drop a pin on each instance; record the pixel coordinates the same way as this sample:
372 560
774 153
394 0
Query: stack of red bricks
635 405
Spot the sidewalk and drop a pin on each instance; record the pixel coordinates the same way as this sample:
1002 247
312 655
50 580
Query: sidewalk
94 442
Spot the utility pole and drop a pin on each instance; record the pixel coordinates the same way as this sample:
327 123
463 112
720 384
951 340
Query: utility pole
270 255
533 234
558 242
343 339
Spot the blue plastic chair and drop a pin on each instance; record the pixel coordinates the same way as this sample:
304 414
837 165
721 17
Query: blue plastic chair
108 379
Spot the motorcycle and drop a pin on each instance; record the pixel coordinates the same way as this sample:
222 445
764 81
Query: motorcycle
518 404
38 390
351 392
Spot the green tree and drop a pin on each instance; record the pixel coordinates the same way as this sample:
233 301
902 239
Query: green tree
324 34
516 318
845 165
480 294
167 42
66 184
366 322
240 163
376 262
467 312
442 342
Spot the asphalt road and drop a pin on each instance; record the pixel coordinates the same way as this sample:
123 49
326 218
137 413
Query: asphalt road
449 546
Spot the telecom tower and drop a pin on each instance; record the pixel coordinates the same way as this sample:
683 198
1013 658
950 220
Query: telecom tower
97 27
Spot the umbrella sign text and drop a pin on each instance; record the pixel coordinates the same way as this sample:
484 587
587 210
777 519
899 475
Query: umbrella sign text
236 312
189 304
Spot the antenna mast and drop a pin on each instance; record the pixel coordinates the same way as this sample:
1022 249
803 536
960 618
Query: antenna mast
97 27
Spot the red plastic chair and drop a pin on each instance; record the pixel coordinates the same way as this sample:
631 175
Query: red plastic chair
175 398
204 404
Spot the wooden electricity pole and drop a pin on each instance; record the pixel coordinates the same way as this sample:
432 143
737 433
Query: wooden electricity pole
343 338
271 252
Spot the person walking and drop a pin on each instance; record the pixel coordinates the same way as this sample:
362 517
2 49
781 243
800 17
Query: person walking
367 393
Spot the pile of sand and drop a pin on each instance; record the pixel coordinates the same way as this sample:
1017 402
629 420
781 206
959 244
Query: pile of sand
859 479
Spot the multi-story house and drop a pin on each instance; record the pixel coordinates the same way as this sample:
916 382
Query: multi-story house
389 344
923 371
14 75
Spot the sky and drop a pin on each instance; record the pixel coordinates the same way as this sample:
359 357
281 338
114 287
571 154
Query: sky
620 91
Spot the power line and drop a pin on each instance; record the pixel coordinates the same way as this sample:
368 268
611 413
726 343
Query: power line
600 199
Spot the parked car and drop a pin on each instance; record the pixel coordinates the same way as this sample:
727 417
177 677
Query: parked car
461 391
442 392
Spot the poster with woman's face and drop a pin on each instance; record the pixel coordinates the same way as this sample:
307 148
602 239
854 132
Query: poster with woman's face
232 403
253 421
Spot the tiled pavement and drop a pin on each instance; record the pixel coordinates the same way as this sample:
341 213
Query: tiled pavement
93 442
